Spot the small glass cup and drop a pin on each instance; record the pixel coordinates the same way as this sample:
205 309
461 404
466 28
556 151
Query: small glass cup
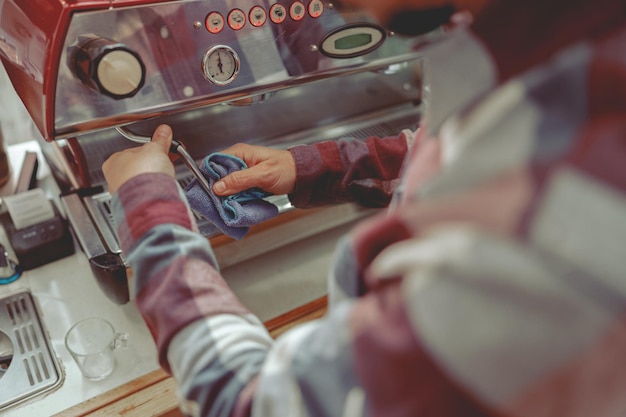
91 343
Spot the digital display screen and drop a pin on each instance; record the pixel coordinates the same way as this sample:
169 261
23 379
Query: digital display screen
353 41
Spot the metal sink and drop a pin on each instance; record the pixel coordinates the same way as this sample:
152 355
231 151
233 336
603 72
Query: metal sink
28 366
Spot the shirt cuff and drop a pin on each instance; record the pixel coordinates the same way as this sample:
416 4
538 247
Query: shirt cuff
309 165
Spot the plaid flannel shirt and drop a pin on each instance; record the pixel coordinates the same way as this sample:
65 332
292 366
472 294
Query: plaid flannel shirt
494 284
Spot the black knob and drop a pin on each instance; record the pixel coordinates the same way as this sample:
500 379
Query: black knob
107 66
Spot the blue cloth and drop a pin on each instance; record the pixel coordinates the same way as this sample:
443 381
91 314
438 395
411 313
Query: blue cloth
233 214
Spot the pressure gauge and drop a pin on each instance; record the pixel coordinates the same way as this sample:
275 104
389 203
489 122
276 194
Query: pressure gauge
220 64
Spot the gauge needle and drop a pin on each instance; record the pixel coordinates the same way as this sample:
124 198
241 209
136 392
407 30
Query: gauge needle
219 63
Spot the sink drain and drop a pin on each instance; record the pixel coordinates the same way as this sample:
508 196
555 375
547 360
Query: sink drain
27 365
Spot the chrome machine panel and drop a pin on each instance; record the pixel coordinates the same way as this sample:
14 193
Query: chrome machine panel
125 64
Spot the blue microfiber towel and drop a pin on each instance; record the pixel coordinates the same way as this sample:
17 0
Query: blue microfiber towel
233 214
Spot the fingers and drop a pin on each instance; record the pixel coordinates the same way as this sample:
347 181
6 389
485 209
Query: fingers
248 153
236 182
240 180
163 137
272 170
149 158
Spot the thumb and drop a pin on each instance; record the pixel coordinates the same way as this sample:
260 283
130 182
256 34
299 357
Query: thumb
163 137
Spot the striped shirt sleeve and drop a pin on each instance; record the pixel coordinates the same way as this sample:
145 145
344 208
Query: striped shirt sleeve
212 344
349 170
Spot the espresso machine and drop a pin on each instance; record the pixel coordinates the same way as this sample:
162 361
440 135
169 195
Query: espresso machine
276 73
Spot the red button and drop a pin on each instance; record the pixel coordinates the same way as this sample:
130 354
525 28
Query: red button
214 22
278 13
236 19
257 16
316 8
297 11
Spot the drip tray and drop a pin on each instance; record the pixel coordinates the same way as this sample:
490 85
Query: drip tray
27 365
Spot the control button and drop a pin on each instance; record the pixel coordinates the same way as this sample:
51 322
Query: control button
257 16
316 8
236 19
120 73
214 22
278 13
297 11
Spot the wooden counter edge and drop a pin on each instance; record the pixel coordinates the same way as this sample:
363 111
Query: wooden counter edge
154 394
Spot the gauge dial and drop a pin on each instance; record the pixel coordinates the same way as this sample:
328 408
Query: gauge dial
220 65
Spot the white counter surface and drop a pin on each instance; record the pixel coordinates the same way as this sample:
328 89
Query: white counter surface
66 292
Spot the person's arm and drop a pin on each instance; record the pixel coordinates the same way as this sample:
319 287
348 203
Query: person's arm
443 327
211 344
221 356
361 171
345 170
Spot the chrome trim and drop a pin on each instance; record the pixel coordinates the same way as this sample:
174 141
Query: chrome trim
103 219
83 226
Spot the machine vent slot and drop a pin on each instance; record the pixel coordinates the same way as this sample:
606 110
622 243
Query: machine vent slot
108 211
44 367
20 344
27 342
34 336
10 313
29 374
18 311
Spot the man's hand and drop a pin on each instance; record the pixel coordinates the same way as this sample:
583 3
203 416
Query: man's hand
272 170
151 157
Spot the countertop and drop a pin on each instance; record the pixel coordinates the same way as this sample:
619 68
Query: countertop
66 292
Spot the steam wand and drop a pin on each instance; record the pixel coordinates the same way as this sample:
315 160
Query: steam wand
176 148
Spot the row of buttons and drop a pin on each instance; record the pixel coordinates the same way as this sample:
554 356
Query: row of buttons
257 16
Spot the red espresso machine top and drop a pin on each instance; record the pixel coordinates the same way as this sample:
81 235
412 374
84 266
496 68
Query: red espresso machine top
85 65
32 36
